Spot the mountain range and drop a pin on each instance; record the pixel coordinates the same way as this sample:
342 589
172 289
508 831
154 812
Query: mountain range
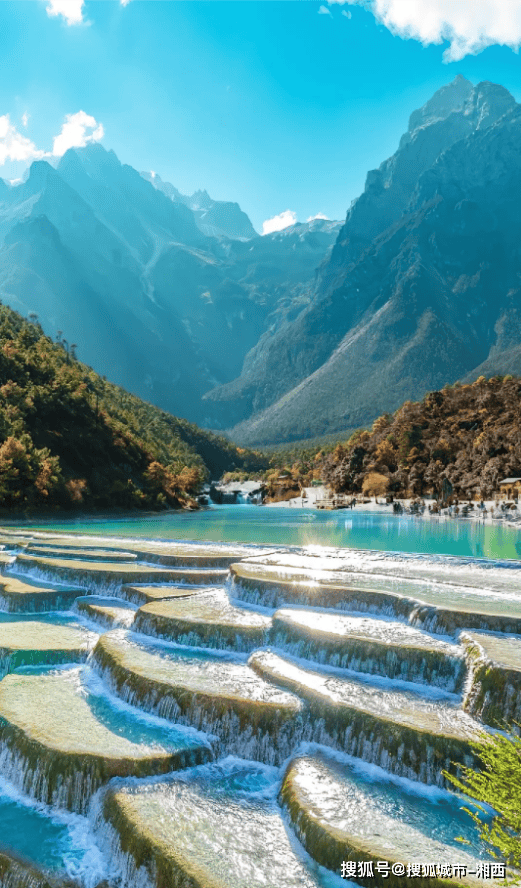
312 330
129 273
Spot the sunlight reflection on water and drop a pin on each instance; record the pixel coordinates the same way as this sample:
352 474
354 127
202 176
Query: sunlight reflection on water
304 527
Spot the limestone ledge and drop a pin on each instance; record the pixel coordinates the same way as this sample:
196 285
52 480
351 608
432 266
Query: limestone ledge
175 834
204 554
317 804
451 620
494 686
363 644
33 642
206 620
54 748
107 575
276 587
142 594
17 596
251 717
181 558
108 612
15 873
96 555
404 733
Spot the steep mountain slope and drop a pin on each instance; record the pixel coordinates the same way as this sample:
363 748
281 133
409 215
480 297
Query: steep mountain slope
219 218
119 196
268 370
304 332
126 273
421 287
60 260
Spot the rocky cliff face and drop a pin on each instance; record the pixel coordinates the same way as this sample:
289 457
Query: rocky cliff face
422 286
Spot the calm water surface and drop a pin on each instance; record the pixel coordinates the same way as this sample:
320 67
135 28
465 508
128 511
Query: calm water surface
303 527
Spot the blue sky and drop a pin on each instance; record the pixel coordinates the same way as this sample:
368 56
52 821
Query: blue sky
281 106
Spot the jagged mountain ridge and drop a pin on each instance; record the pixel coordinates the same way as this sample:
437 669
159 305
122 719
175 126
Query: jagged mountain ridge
215 218
420 289
125 272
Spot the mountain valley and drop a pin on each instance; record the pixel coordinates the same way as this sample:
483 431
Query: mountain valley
307 331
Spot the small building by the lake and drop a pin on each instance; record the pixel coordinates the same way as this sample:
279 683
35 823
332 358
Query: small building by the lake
510 488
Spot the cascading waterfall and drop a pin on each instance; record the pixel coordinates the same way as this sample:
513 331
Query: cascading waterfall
259 723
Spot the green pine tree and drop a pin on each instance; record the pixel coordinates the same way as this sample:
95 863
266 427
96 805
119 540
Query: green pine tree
497 785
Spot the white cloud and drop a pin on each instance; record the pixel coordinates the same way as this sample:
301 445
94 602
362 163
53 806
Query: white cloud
468 25
348 14
324 11
124 2
71 10
318 216
15 146
278 223
78 130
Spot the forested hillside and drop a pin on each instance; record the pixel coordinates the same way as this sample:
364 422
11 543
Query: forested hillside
70 439
462 441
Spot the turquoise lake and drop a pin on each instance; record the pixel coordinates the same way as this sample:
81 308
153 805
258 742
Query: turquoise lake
304 527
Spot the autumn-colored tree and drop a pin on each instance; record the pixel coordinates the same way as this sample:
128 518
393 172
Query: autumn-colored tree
76 488
49 478
375 484
190 479
386 455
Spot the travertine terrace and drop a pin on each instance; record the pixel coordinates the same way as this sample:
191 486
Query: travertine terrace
179 695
